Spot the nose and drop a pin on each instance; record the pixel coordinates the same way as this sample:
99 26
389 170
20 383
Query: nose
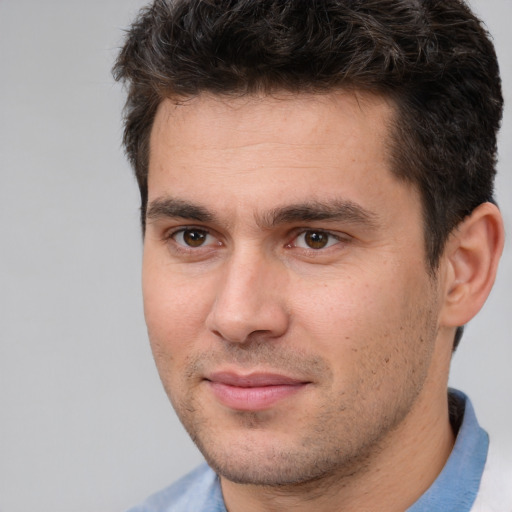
250 300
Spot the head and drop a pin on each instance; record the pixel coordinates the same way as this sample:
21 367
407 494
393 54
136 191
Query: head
433 59
425 73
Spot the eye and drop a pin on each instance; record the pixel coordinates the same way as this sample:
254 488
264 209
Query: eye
192 237
315 239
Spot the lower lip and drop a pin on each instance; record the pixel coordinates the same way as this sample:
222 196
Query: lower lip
253 398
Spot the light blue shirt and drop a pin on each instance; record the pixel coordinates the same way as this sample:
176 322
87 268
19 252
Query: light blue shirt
454 490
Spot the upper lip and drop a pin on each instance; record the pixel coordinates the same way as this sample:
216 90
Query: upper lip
253 380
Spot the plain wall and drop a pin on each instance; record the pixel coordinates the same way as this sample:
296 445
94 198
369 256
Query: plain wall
85 425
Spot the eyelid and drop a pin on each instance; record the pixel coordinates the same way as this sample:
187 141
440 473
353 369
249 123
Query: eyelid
170 236
170 232
337 236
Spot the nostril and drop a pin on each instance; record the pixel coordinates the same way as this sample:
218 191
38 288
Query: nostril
262 324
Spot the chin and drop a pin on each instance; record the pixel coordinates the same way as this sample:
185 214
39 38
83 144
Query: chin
274 464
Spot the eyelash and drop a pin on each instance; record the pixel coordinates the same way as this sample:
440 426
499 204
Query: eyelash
183 247
332 239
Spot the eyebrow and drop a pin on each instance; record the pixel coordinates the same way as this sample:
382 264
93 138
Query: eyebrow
337 210
170 207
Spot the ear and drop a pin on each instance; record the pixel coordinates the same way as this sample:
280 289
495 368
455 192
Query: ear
471 258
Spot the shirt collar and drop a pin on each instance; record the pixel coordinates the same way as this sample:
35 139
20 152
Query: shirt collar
456 487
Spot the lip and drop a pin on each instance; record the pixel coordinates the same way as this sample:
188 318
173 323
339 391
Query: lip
253 392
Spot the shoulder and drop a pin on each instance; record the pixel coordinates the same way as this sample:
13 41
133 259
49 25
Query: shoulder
198 491
495 492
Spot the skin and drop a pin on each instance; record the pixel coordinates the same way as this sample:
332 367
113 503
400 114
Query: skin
238 188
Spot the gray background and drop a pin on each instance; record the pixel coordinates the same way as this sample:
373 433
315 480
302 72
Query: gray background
84 424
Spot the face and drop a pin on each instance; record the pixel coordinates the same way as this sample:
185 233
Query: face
288 303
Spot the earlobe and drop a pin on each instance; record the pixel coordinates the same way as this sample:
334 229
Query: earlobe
472 254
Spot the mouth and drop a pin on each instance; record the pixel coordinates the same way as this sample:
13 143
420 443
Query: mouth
253 392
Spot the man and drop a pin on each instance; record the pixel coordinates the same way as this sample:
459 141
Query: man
317 205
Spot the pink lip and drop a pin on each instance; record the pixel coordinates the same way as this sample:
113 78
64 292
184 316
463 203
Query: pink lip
254 392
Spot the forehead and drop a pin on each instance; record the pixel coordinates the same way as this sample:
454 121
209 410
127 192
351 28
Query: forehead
206 119
299 131
253 154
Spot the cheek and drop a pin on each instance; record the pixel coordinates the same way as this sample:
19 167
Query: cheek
345 309
175 310
367 326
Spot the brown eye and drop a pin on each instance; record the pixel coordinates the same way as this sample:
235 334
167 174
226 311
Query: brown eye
194 238
191 237
316 239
